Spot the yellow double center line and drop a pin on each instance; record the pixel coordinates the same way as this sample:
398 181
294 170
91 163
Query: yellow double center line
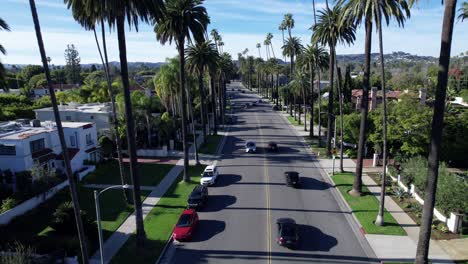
267 182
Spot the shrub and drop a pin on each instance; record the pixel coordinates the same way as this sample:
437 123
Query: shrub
8 204
64 220
23 182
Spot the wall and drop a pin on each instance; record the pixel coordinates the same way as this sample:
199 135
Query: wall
32 203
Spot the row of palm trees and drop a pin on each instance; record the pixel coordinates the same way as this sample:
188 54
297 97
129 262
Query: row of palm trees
178 21
337 25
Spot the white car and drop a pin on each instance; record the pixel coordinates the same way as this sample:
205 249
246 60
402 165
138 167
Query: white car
250 147
209 175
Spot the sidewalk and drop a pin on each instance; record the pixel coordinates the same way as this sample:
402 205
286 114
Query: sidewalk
397 248
113 244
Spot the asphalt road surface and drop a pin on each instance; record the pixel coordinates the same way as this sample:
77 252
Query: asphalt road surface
239 223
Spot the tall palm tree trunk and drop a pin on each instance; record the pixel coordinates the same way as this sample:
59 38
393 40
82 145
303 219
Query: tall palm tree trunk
140 230
213 104
183 93
304 102
195 145
311 122
115 121
422 250
340 99
330 101
63 144
380 216
319 101
201 91
357 185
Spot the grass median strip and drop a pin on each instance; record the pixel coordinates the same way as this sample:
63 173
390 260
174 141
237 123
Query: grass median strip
211 144
160 222
366 207
292 120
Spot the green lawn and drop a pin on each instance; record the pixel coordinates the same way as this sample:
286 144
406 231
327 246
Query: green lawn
366 208
211 144
159 222
313 143
33 227
108 173
292 121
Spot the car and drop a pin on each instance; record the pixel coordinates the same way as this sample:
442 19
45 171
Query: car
272 146
250 147
185 227
292 178
238 89
243 91
198 197
209 175
254 103
275 108
259 101
288 233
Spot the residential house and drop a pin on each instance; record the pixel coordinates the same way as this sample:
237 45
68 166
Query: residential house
41 91
98 113
24 144
375 97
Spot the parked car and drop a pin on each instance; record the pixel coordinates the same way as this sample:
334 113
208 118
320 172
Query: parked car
275 108
288 233
185 227
272 146
292 178
250 147
243 91
209 175
198 197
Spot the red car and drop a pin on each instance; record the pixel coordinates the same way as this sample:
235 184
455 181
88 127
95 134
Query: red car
186 225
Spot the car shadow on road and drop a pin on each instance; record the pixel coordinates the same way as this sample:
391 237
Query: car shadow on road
218 202
313 239
313 184
207 229
227 179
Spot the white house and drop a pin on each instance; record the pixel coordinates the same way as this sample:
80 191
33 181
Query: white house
98 113
41 91
23 144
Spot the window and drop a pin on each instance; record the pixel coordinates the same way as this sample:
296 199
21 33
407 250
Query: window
91 117
7 150
89 139
68 118
72 141
37 145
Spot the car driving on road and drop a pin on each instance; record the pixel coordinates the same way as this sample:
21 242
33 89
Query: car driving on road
198 197
292 178
185 227
272 146
250 147
288 233
209 175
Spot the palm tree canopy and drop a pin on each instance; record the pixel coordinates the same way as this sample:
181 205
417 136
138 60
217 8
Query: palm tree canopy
3 26
332 28
259 45
359 10
183 18
288 20
463 11
88 12
200 55
292 47
315 55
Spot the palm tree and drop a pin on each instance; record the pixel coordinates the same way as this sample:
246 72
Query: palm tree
115 13
289 23
422 249
331 30
183 19
463 11
88 18
3 26
258 47
270 37
198 57
63 144
315 59
216 37
266 43
291 48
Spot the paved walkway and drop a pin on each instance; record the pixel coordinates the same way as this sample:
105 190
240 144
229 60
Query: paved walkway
398 248
103 186
113 244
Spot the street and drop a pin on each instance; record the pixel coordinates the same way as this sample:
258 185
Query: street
239 223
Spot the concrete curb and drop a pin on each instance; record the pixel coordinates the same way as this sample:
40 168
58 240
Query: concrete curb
163 252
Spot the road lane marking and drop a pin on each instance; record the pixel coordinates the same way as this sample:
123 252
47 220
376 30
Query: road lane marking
267 177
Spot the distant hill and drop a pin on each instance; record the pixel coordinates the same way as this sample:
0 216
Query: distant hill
392 57
131 65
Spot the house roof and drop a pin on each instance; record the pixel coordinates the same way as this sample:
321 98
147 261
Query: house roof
390 94
60 86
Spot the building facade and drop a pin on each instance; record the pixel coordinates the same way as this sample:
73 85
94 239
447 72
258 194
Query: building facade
24 144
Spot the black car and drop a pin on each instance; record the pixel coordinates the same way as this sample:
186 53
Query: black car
275 108
198 197
292 178
272 146
243 91
288 233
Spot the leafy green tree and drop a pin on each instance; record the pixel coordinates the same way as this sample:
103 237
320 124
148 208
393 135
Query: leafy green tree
72 67
29 71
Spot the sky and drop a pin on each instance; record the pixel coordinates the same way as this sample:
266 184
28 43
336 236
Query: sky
241 23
